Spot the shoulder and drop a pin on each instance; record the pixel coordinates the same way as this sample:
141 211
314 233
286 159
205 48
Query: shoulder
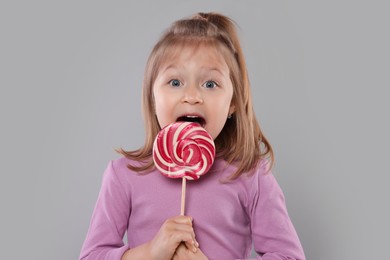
118 178
260 181
252 181
264 176
120 166
261 171
117 170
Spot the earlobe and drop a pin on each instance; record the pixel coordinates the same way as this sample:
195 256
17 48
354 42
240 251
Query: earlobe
232 109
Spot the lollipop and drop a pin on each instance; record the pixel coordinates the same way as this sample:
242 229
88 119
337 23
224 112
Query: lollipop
183 150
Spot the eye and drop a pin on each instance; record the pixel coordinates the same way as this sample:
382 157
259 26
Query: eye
210 84
175 83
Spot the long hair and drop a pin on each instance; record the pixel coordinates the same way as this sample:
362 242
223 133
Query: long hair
241 142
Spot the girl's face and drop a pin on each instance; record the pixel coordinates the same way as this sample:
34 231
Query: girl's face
194 86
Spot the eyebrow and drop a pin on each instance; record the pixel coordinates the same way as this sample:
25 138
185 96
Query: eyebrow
172 66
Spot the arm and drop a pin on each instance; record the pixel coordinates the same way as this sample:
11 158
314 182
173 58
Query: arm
109 220
273 233
109 223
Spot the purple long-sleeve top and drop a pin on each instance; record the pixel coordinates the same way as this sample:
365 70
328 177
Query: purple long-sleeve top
227 217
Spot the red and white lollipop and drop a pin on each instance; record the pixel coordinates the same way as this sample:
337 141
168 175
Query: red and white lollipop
183 150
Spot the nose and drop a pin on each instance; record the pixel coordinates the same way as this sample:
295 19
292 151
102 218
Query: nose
192 95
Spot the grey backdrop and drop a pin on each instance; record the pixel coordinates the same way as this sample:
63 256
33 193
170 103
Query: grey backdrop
71 75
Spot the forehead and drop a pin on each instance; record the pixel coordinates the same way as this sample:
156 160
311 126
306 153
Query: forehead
213 53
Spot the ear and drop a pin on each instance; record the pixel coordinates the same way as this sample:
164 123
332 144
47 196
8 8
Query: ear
232 109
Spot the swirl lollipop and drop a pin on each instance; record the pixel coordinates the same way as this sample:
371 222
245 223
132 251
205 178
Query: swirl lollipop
183 150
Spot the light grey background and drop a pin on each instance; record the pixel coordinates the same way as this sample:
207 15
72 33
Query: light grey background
71 75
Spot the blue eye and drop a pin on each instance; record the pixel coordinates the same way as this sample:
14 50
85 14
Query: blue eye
175 83
210 84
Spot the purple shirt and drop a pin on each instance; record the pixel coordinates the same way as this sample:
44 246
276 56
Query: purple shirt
227 217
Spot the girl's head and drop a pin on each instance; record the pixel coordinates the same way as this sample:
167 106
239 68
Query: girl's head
193 84
200 60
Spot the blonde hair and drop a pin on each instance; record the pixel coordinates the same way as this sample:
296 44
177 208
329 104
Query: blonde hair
241 141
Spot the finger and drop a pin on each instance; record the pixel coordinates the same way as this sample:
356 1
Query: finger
179 252
183 236
186 228
181 230
189 230
183 220
181 249
191 245
183 227
173 225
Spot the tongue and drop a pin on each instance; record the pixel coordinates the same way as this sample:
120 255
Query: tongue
191 119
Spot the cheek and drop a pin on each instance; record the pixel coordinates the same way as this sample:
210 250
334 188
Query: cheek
163 112
157 101
218 121
160 111
161 103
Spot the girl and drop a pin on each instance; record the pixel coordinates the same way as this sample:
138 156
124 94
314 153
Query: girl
196 72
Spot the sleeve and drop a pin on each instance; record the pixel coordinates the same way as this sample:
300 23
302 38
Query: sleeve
108 224
273 234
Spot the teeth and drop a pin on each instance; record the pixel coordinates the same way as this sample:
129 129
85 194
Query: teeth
192 118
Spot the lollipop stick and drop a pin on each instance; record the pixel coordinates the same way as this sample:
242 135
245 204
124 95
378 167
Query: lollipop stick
183 196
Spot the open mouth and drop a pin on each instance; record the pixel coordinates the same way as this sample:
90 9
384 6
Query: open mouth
196 119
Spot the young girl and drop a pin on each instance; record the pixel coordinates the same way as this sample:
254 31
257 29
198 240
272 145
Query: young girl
195 72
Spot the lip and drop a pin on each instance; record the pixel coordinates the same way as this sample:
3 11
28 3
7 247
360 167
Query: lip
192 117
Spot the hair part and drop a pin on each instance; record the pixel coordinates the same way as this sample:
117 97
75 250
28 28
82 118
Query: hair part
241 141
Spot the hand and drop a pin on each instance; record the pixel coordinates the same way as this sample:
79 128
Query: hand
174 232
183 253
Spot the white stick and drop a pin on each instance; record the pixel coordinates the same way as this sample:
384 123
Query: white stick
183 196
